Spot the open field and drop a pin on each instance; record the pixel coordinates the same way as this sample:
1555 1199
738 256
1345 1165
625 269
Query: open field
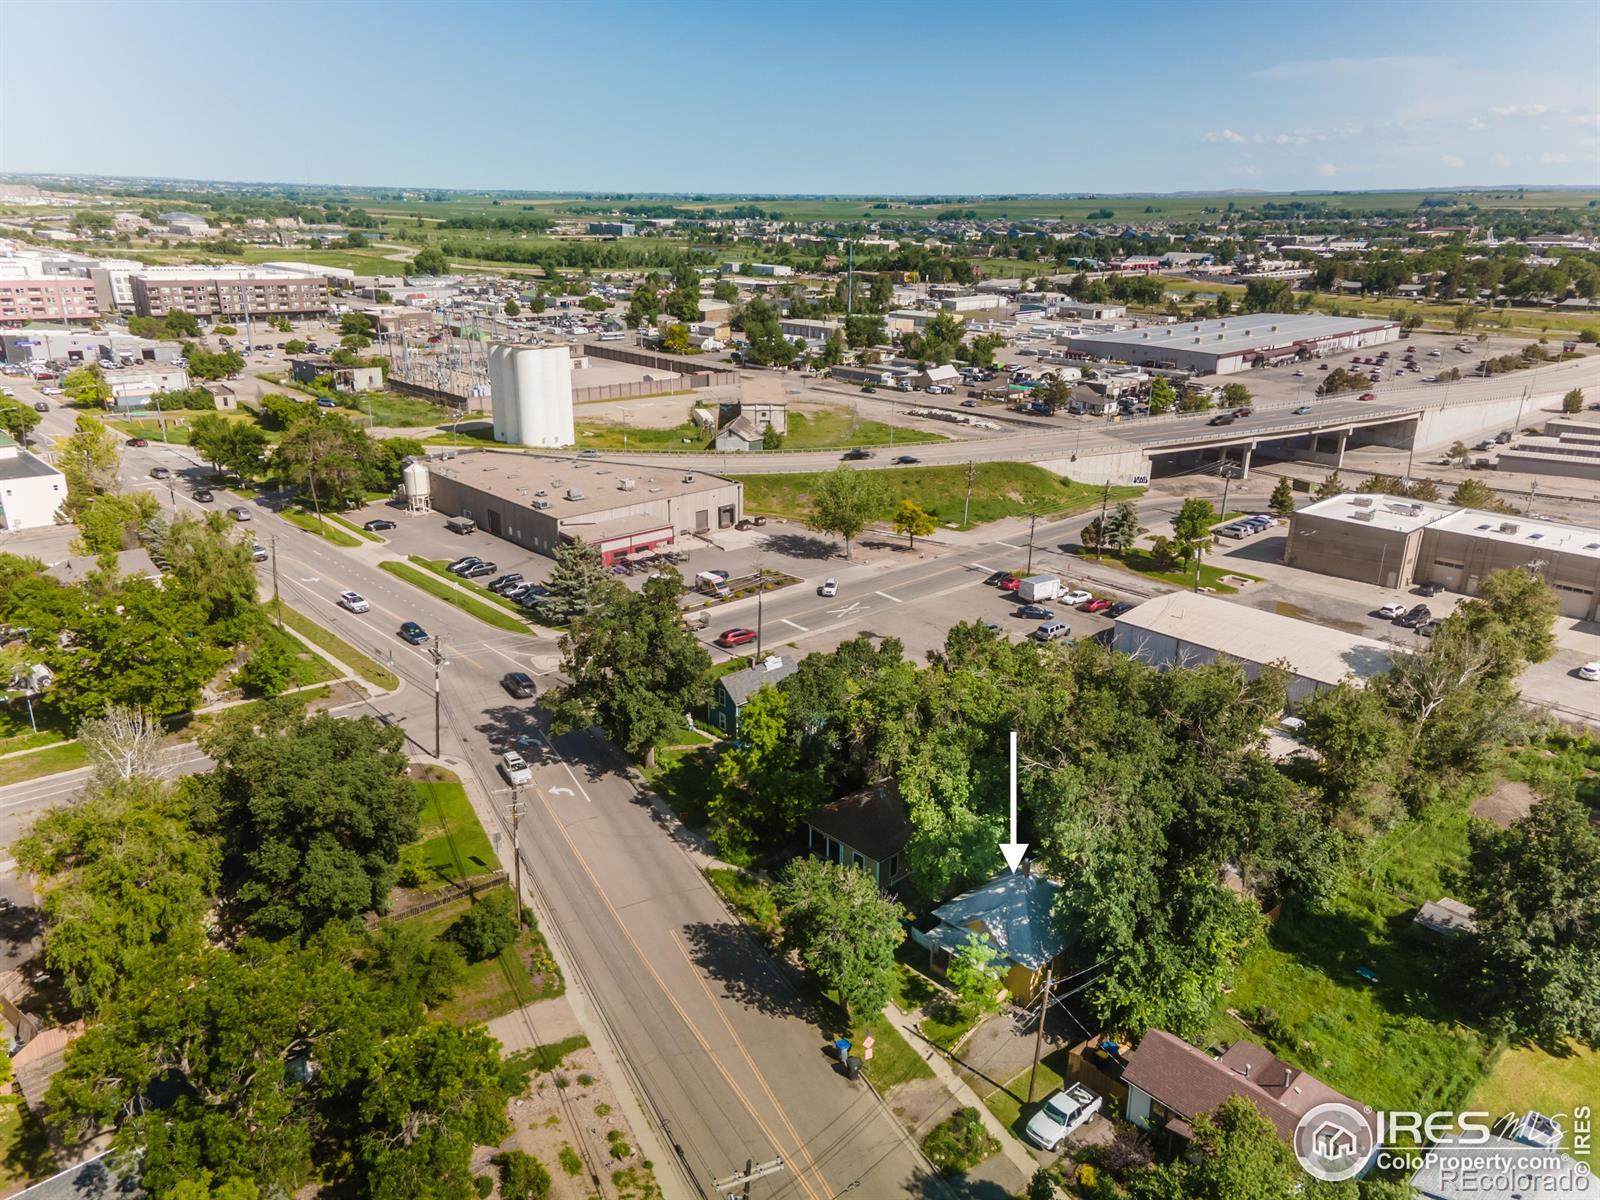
67 756
998 490
1527 1078
453 842
1140 562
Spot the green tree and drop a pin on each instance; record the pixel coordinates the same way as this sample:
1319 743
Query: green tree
762 794
294 346
833 350
1235 394
1267 296
725 290
123 871
676 339
1353 730
1122 530
1470 493
312 812
843 930
863 330
522 1176
577 585
771 439
1536 891
487 927
975 974
1518 606
512 308
913 521
644 306
17 420
1052 390
430 260
594 303
1194 400
1162 397
634 668
1572 402
421 969
208 434
109 524
269 669
1238 1155
1281 505
91 459
1330 486
1465 318
1191 528
87 386
843 500
1093 535
321 456
980 350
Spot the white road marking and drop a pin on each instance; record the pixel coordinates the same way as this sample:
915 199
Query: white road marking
981 567
850 610
794 624
886 596
1010 546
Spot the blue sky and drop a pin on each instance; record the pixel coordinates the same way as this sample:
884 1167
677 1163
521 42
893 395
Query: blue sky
914 97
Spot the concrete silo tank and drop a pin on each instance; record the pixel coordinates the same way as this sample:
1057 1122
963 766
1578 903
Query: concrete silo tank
530 390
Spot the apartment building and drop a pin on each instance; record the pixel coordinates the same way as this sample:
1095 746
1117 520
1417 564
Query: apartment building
67 301
229 293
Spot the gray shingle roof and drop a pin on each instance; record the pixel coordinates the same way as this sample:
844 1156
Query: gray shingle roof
741 685
1015 909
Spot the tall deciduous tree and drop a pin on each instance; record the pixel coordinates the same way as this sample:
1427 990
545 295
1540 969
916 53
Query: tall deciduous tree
843 500
430 260
1470 493
634 668
762 793
843 930
1162 397
312 812
321 456
17 420
914 521
92 462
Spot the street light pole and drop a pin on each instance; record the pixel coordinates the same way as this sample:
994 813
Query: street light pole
1032 519
277 600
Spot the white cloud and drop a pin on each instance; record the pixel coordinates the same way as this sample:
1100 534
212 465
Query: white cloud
1519 110
1327 170
1225 135
1551 160
1450 160
1499 160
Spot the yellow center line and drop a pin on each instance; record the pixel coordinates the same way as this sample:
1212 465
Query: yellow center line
672 1000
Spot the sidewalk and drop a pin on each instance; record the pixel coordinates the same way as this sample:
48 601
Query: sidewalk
1012 1150
538 1024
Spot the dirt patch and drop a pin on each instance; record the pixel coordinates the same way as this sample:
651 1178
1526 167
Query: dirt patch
1509 802
1285 609
920 1104
339 695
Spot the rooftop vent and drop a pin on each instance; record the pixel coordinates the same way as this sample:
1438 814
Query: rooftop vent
625 485
1509 527
689 478
1365 514
1362 502
574 493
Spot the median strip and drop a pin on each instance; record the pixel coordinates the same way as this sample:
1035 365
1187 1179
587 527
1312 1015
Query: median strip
455 596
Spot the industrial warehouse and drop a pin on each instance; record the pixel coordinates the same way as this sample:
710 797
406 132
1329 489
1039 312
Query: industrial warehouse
535 501
1230 344
1392 543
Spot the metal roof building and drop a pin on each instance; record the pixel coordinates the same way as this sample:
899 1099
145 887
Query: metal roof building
1229 344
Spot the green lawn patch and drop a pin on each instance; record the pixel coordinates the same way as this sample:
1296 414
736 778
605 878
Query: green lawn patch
685 780
324 529
25 1150
17 732
547 1056
434 586
1527 1078
1141 562
749 898
607 435
354 528
947 1025
367 668
309 666
894 1060
1398 1043
839 427
454 845
519 975
999 489
1010 1104
67 756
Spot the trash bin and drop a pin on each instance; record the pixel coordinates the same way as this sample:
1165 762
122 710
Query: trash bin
852 1067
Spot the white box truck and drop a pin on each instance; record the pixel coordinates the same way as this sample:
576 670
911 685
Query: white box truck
1035 588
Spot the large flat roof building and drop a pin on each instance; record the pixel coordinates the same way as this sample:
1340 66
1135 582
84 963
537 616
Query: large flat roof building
1393 542
536 500
229 292
31 490
1189 628
1229 344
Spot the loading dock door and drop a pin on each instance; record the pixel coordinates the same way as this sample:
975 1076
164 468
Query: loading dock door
702 520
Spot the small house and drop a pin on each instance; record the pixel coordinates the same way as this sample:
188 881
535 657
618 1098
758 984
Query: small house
942 375
733 691
740 435
1012 913
868 830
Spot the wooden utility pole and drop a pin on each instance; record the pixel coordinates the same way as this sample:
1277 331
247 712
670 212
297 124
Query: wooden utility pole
966 507
1038 1040
1105 499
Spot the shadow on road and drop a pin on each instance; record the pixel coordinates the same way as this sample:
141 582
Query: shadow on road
731 956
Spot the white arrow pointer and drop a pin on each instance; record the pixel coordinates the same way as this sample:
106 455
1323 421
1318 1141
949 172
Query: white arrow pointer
561 791
1014 850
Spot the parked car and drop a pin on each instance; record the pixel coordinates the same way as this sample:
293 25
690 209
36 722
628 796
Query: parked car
1430 588
1503 437
1051 632
829 588
478 570
1036 612
354 601
1419 615
1428 628
413 633
1098 604
519 684
1293 726
135 441
203 495
160 473
324 402
1392 610
730 638
1235 531
239 512
1063 1112
519 591
1075 597
378 525
515 768
1589 671
461 564
1010 583
1121 607
506 582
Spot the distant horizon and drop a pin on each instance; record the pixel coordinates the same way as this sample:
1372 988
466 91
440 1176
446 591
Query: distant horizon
87 177
1149 97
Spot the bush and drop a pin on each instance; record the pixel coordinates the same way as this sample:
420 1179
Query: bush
570 1162
486 928
414 868
522 1176
269 669
483 1185
959 1143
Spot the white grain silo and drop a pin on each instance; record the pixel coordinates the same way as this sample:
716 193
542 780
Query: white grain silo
530 391
414 480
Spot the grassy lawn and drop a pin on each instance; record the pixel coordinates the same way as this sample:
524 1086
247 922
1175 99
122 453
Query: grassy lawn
1008 1103
353 528
326 528
894 1060
434 586
519 975
1396 1043
606 435
1527 1078
309 666
393 410
749 898
368 669
454 844
838 427
177 423
1140 562
438 567
68 756
948 1026
685 780
16 732
25 1150
998 490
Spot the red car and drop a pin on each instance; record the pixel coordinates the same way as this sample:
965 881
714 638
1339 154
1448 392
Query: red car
137 442
729 638
1010 583
1367 396
1098 604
